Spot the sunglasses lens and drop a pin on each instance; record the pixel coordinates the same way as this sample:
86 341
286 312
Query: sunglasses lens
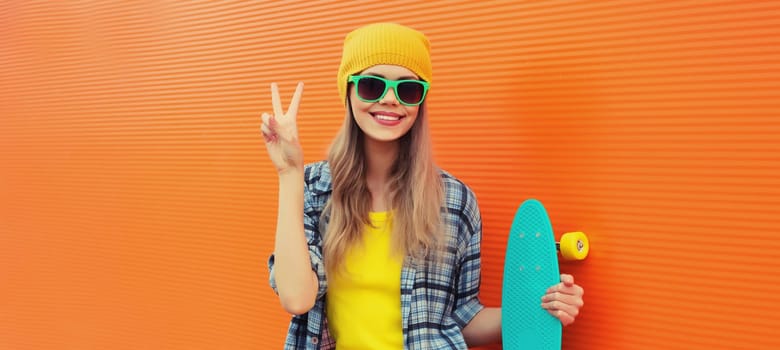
370 88
410 92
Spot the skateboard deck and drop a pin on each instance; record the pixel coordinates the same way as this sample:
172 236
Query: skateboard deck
530 267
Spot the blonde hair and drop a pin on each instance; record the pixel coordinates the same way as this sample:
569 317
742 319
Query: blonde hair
415 194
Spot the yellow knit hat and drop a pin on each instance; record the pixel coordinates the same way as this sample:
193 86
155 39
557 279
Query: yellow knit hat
384 43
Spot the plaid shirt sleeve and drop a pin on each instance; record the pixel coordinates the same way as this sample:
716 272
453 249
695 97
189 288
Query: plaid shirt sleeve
467 304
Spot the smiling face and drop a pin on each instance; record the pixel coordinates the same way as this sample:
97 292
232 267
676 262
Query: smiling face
387 119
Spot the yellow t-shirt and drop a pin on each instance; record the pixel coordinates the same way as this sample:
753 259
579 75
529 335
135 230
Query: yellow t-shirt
364 301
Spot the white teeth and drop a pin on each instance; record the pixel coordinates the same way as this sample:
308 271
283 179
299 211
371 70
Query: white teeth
386 117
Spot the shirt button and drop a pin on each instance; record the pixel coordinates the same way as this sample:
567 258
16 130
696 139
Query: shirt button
314 340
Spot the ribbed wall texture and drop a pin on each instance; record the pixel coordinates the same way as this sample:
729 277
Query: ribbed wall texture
138 205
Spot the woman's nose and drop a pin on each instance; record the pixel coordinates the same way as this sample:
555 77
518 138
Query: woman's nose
389 97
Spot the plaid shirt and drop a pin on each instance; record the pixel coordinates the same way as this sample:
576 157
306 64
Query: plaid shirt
437 300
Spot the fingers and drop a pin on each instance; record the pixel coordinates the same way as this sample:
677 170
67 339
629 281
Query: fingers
292 111
268 129
276 100
562 306
565 318
567 280
279 125
567 286
564 300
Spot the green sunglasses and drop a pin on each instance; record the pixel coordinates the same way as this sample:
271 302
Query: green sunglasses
372 88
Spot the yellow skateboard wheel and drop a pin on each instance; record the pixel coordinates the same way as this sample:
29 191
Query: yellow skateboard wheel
574 246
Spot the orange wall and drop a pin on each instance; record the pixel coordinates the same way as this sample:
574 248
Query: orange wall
138 206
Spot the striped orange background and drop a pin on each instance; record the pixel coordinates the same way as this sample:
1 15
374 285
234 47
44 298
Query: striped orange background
137 205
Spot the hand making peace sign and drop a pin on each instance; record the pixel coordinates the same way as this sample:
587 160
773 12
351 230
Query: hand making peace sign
281 132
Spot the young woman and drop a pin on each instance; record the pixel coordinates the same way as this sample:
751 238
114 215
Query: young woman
387 252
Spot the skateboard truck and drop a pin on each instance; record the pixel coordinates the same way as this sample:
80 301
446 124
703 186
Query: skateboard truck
573 246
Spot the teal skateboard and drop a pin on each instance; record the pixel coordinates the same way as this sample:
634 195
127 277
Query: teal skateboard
530 267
